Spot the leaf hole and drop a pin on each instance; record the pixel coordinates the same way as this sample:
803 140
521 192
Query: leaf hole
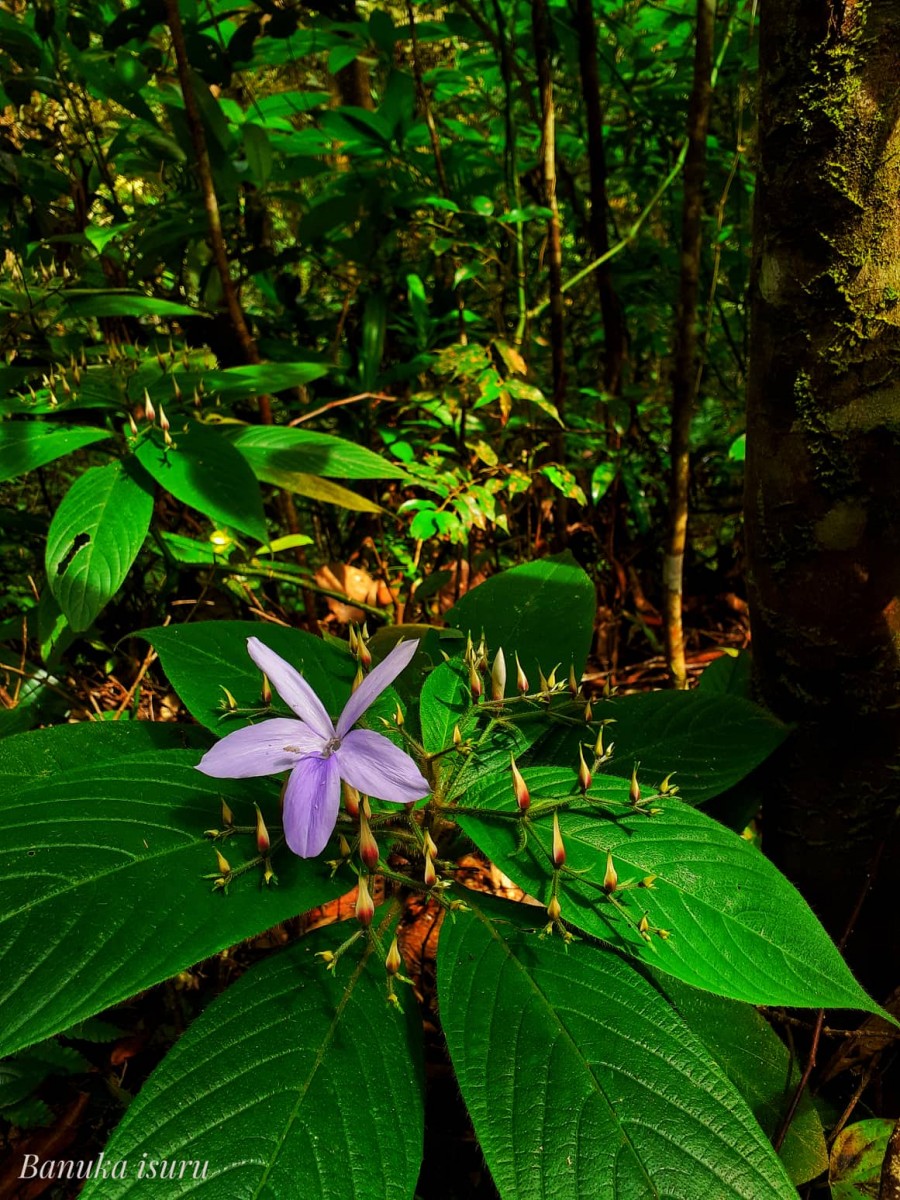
81 540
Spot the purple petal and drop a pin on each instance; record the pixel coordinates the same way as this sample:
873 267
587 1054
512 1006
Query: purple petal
291 687
375 683
263 749
375 766
311 802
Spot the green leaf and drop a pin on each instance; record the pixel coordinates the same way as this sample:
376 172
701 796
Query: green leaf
760 1066
300 450
102 891
737 927
200 660
709 741
25 445
204 470
258 149
312 1085
544 610
238 383
94 537
41 755
80 304
611 1095
730 673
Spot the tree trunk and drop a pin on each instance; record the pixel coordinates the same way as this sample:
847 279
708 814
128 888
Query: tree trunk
823 456
684 374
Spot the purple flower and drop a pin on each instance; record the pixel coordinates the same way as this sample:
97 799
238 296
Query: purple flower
317 753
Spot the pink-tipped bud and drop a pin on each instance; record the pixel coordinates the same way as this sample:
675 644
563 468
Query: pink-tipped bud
584 774
354 640
588 712
149 410
521 678
393 963
365 908
554 909
520 787
430 846
573 682
558 850
634 788
223 863
263 842
351 800
368 847
176 390
132 426
163 419
498 677
611 878
475 685
358 677
430 874
227 815
265 692
366 807
364 654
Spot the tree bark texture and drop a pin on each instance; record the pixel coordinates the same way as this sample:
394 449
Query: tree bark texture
823 455
540 24
614 335
684 374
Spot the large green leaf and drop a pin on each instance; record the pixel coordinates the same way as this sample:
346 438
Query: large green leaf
43 754
236 383
301 450
738 927
708 741
760 1066
204 658
315 488
581 1080
544 610
311 1086
101 888
83 304
94 538
204 470
25 445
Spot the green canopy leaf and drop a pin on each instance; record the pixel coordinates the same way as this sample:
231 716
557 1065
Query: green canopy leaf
25 445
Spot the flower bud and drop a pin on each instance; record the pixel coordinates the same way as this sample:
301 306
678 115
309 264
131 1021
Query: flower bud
598 745
398 716
544 684
558 851
354 640
457 735
263 842
430 847
149 410
265 693
343 846
644 926
523 796
584 774
351 800
364 654
611 878
365 909
393 962
634 789
498 677
230 702
573 682
358 677
368 847
163 419
521 677
665 788
132 426
167 438
224 865
430 875
588 713
176 390
554 909
227 815
475 685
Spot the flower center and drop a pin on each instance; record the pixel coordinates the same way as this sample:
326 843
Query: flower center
330 746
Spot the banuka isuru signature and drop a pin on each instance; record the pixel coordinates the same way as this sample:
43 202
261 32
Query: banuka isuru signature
98 1168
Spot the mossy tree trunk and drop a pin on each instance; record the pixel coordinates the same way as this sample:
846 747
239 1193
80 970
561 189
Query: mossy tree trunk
823 455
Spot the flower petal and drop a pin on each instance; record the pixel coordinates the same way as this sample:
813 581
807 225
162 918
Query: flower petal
263 749
311 802
372 764
291 687
375 683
